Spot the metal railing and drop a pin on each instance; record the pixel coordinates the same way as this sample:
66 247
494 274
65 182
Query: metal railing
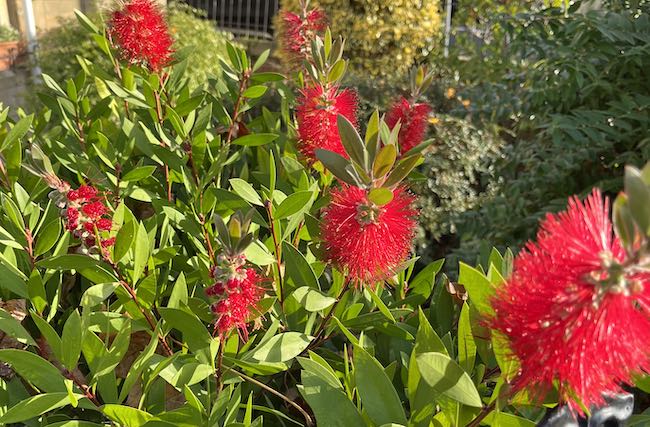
244 18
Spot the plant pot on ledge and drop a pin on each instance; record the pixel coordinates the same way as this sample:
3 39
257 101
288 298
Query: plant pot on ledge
10 46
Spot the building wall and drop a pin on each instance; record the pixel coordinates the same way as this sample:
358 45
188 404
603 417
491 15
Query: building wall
4 13
47 13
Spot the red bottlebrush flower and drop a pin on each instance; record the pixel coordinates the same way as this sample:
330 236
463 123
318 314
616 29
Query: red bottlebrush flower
140 32
297 32
72 216
369 241
413 119
238 299
94 210
571 319
86 193
215 290
72 195
108 242
317 113
89 226
104 224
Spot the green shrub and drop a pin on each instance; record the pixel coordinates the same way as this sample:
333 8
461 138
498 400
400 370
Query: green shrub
204 45
579 111
384 38
8 34
460 175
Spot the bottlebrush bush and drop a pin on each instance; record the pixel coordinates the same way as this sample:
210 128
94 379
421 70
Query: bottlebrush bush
176 258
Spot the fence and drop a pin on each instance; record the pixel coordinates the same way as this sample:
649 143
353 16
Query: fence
244 18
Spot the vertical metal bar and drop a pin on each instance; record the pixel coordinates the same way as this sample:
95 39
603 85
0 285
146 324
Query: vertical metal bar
447 28
249 16
222 14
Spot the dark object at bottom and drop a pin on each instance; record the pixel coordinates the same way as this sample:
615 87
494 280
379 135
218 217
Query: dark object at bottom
616 410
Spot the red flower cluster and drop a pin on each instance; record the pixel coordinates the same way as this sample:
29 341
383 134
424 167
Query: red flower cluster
141 34
574 315
297 32
238 291
85 212
413 118
317 112
369 241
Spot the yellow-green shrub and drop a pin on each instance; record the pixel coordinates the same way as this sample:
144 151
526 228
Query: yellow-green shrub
384 37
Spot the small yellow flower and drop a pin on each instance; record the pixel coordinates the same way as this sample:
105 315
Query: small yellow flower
434 120
451 92
466 103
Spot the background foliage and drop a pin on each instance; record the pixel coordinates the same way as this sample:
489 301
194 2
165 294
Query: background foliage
384 38
197 38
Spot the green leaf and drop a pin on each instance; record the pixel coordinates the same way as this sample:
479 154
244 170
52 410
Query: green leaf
381 306
259 254
126 415
502 419
139 173
255 139
246 191
194 331
12 327
179 293
75 423
293 204
638 198
72 336
623 220
446 377
50 335
98 293
280 348
36 292
35 406
466 342
384 161
378 395
352 142
339 166
312 299
330 405
48 237
17 132
138 366
141 252
337 71
34 369
401 171
86 22
124 240
297 269
254 92
380 196
91 268
478 287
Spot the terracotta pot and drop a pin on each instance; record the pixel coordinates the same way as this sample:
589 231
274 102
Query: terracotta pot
8 53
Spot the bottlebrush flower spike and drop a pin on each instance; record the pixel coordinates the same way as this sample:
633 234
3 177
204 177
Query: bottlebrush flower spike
575 311
297 32
140 32
413 118
317 113
367 240
237 291
85 214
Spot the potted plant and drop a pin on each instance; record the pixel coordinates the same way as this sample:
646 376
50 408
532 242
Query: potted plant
9 46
